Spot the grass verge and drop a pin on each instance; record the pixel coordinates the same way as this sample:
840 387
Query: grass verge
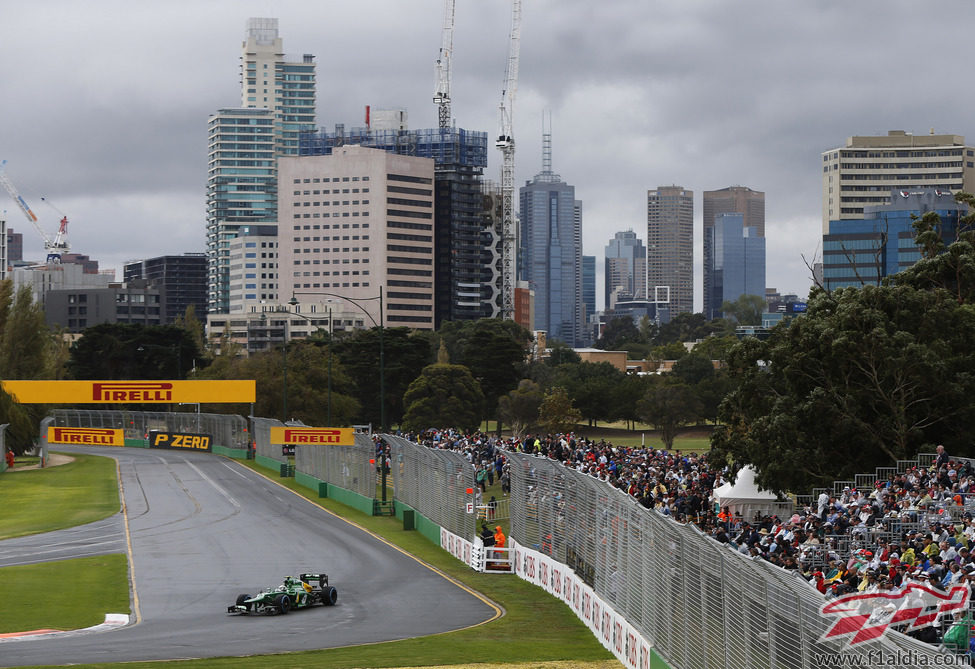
87 589
43 500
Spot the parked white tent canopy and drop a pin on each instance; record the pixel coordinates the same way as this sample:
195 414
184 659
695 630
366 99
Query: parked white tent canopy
746 497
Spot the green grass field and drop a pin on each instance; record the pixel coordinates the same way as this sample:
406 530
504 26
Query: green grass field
42 500
85 590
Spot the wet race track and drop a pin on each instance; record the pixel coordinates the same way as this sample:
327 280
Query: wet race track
203 530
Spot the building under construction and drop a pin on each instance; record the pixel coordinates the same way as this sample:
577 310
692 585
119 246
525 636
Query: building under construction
467 233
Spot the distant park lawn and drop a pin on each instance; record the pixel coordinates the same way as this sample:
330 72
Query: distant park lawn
694 439
86 589
43 500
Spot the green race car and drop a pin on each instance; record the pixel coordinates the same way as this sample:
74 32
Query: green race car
294 593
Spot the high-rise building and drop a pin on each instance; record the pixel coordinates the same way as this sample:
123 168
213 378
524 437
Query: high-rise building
625 268
182 278
738 262
589 285
278 103
670 246
466 223
734 199
551 251
863 251
354 222
867 169
15 246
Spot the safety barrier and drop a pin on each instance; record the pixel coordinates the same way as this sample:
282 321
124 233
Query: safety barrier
265 454
3 447
696 603
229 432
344 473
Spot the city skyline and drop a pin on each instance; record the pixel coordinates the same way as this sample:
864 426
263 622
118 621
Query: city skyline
110 116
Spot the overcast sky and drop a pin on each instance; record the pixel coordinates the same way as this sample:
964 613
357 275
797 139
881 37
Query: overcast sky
105 103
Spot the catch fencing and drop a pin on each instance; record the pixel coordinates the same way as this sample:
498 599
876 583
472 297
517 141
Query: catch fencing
699 604
227 430
349 467
437 484
262 440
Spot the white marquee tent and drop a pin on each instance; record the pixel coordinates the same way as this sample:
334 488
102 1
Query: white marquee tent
746 497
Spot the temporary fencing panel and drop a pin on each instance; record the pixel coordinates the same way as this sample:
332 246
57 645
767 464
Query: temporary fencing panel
227 430
700 604
346 467
435 483
262 441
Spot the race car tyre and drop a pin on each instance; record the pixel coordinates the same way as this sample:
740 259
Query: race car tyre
241 599
283 602
329 596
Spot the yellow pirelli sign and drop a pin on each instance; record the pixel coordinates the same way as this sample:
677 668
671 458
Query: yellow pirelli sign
85 436
332 436
130 392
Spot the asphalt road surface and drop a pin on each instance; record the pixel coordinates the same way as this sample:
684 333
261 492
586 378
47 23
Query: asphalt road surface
205 529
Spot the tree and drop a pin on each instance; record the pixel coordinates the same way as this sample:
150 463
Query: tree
405 356
133 351
668 405
556 413
591 386
560 353
746 310
519 408
693 368
25 342
617 333
444 395
866 377
494 352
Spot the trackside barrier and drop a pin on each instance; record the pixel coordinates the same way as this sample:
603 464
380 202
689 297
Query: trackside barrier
343 473
265 454
229 432
667 592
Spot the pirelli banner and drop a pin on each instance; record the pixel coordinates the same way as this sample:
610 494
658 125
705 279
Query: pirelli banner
131 392
319 436
85 436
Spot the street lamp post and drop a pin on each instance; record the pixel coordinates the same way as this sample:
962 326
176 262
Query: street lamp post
382 359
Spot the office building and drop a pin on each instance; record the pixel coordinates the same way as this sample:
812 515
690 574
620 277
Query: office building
670 247
277 104
75 309
625 270
467 226
737 256
550 258
15 245
734 199
863 251
181 278
356 221
865 170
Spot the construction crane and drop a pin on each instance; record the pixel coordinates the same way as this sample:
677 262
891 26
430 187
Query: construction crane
54 247
506 144
441 96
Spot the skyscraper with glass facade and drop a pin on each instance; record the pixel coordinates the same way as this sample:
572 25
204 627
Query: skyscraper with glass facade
625 270
551 252
734 199
737 261
278 102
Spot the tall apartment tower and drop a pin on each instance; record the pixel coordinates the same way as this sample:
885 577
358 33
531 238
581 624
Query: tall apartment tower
670 246
732 200
867 169
277 102
354 223
551 251
625 269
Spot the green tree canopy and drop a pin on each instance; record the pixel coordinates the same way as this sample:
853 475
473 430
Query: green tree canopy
619 332
591 386
133 351
519 408
443 395
557 413
668 405
746 310
866 377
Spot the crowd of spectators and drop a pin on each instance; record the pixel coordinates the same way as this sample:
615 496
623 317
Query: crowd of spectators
912 527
